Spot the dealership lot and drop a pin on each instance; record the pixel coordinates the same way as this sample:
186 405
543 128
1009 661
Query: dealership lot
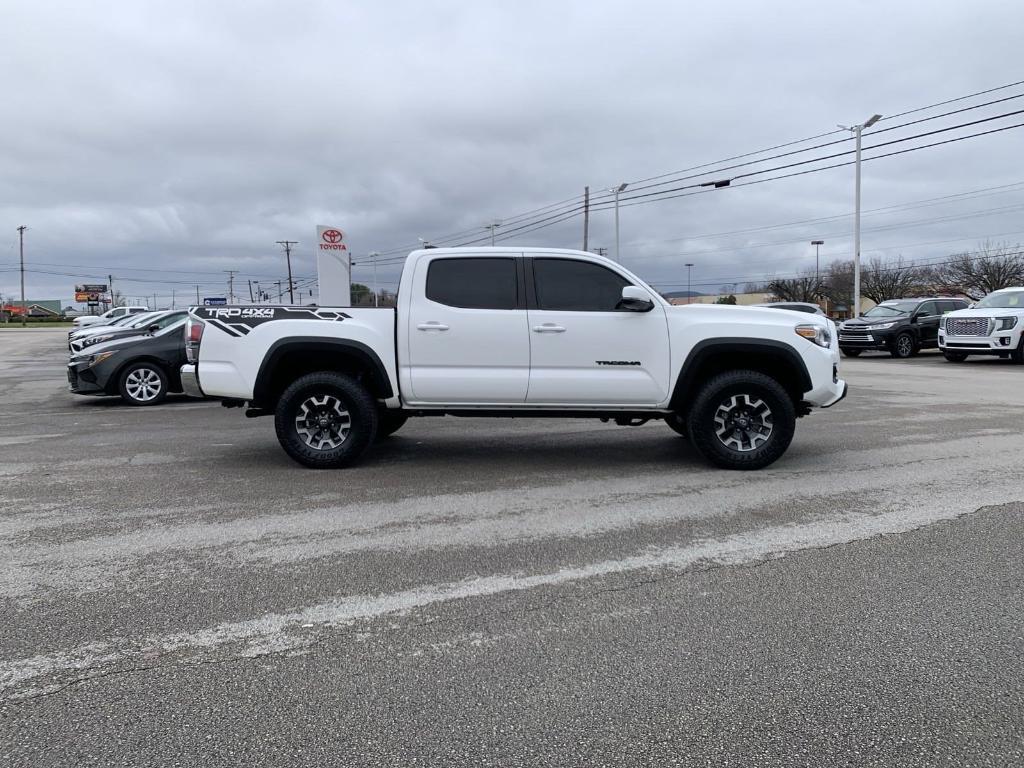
517 592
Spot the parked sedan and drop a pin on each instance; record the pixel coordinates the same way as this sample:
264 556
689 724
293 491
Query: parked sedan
147 324
141 369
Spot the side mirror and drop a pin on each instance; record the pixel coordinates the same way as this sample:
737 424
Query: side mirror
635 299
971 305
153 328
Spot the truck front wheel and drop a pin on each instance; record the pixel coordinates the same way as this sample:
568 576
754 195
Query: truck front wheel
742 420
325 420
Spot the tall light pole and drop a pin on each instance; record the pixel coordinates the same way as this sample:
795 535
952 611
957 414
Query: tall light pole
856 131
21 255
617 190
374 255
689 267
817 256
493 226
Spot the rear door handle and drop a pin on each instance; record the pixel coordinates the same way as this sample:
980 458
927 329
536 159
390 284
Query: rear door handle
548 328
432 326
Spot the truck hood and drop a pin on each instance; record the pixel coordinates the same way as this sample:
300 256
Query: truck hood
756 315
988 312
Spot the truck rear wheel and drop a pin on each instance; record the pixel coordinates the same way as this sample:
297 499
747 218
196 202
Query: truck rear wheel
742 420
325 420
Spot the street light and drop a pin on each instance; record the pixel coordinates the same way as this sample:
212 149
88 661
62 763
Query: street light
374 255
493 226
856 131
617 190
817 253
689 293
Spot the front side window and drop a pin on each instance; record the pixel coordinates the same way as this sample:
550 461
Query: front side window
473 283
576 286
928 309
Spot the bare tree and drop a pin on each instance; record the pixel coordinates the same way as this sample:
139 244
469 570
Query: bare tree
837 284
977 274
804 288
892 279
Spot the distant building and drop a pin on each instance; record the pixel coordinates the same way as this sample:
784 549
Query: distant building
35 308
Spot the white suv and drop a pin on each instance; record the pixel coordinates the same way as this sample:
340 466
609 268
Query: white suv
993 326
111 314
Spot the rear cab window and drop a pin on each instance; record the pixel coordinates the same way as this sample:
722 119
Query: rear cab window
474 283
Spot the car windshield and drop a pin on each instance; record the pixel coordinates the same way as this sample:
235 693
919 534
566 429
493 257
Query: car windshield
891 309
1007 300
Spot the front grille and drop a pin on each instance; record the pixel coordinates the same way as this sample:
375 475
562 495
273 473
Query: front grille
967 326
854 335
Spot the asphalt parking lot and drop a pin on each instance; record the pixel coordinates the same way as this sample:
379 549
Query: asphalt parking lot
175 591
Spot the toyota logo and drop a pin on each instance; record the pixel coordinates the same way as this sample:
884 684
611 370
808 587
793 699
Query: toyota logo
332 236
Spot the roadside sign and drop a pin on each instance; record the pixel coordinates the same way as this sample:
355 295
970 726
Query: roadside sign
333 267
214 301
91 288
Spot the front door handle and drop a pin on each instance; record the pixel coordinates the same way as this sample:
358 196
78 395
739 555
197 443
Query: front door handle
432 326
548 328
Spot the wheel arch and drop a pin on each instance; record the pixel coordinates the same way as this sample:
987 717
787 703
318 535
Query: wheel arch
287 359
173 380
773 358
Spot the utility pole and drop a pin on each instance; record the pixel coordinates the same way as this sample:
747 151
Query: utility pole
172 298
278 291
493 226
689 266
21 255
251 300
856 130
198 302
586 217
601 251
231 285
287 244
110 287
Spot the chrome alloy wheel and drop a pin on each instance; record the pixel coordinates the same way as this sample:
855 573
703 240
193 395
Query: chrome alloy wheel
743 423
322 422
143 384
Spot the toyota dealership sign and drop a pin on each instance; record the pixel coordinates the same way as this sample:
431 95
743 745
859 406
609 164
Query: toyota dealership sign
333 267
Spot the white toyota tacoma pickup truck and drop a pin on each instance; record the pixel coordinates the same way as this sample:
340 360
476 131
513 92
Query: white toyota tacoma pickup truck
499 332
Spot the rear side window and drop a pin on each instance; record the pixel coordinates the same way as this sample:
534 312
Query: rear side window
576 286
951 306
473 283
928 309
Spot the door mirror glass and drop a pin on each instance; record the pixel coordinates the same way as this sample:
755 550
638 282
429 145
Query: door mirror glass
153 328
635 299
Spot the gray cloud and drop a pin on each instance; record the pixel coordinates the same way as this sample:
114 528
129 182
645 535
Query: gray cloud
191 136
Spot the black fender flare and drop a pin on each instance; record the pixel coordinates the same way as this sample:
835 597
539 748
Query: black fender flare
704 350
355 349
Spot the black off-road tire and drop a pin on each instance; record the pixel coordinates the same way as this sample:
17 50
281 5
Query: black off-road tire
389 422
751 386
678 423
142 384
955 357
904 346
850 352
326 394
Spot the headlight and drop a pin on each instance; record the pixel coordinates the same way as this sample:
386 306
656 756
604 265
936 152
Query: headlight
816 333
883 326
1006 323
90 340
97 359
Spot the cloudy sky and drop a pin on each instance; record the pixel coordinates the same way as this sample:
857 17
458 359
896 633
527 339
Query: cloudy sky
166 142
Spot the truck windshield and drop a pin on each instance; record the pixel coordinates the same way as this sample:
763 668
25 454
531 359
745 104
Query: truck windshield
891 310
1008 300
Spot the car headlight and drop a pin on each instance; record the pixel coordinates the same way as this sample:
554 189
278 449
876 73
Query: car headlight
90 340
883 326
97 359
1006 323
816 333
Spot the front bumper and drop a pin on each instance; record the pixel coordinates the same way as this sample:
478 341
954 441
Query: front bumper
190 381
868 340
83 380
998 343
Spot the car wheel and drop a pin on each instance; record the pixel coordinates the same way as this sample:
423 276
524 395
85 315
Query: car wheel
955 357
741 420
847 352
325 420
1018 354
389 422
903 346
678 423
143 384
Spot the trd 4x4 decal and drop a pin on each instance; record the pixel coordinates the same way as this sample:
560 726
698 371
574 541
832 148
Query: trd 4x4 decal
238 321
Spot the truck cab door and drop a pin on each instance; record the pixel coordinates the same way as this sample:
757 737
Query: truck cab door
586 349
468 341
